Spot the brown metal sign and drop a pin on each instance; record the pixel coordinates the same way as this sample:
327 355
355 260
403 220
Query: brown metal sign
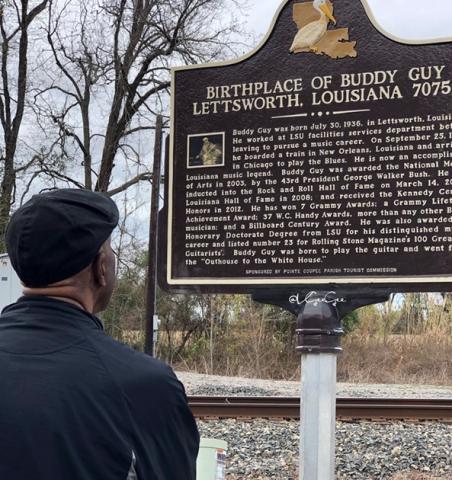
323 157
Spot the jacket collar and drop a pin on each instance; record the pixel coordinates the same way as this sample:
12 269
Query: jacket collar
52 305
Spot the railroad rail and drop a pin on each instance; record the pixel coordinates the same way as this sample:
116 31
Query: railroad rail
347 409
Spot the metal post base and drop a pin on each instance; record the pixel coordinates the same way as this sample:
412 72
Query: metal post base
319 334
318 416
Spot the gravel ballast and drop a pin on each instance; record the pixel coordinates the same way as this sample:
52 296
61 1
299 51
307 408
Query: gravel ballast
264 449
268 449
200 384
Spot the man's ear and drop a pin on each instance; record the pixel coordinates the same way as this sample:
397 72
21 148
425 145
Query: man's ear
99 269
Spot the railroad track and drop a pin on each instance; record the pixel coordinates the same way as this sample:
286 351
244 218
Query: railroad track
346 408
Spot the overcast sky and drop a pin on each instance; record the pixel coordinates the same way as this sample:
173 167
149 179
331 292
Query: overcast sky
410 19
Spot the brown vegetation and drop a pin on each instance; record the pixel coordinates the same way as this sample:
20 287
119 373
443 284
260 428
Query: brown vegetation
424 358
406 340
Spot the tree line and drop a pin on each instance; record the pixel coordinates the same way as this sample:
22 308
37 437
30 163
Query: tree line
410 335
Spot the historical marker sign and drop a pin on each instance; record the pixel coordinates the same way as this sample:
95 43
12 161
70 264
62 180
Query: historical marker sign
322 157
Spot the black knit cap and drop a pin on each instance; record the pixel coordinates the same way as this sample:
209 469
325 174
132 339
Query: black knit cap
57 234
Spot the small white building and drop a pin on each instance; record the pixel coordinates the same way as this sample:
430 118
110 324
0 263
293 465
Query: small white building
10 286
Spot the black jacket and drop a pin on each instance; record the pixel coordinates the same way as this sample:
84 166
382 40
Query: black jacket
77 405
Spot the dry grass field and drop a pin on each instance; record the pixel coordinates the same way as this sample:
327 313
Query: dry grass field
400 343
396 359
424 359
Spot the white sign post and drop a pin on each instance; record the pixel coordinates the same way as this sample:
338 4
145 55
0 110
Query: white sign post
10 286
318 339
318 416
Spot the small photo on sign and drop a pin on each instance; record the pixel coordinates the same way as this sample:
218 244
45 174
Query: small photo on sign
205 150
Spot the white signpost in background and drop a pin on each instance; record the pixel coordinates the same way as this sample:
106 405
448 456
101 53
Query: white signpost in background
10 287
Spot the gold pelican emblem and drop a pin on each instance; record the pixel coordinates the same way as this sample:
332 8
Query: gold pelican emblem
309 35
312 20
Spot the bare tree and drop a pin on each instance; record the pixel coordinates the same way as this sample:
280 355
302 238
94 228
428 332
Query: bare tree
414 313
16 18
111 76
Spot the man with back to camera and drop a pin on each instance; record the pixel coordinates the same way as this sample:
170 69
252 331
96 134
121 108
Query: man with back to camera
74 403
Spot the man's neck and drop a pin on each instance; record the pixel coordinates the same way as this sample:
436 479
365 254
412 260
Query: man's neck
64 293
